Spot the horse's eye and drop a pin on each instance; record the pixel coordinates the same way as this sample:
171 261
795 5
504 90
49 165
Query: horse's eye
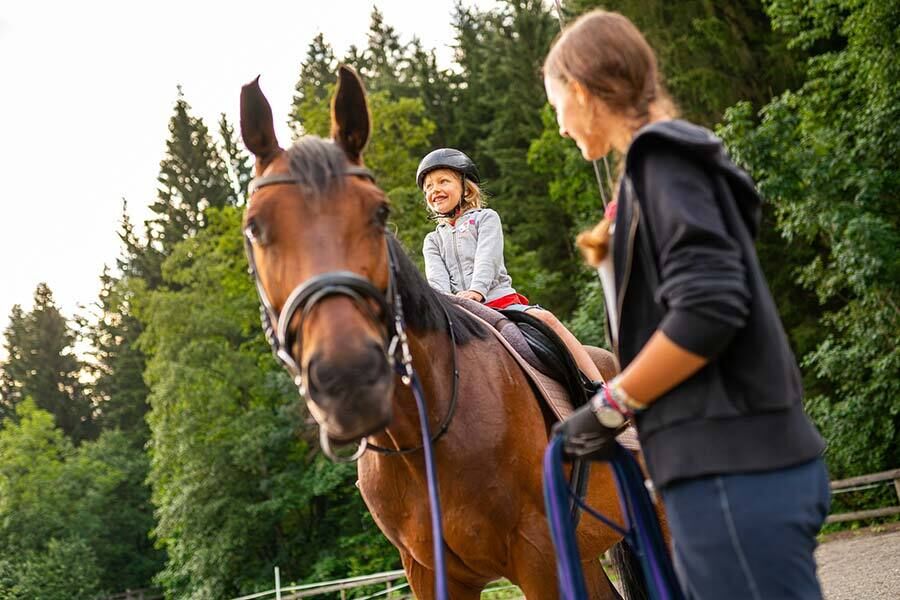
381 214
252 231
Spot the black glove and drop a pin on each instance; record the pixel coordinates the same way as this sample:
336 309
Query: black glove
585 437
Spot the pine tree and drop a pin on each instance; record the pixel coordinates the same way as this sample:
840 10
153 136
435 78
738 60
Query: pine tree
238 161
498 117
713 54
317 76
41 364
437 88
193 176
117 387
383 58
475 107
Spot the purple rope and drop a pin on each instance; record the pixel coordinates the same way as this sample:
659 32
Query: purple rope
643 533
641 519
568 561
437 533
634 523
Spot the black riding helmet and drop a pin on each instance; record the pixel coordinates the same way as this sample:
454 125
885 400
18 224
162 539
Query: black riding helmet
446 158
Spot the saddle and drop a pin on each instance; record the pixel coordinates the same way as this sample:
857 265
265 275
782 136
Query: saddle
547 366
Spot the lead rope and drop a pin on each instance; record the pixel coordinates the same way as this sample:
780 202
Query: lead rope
410 378
641 530
437 531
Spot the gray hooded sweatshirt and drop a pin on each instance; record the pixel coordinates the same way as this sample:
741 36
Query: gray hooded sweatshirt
468 255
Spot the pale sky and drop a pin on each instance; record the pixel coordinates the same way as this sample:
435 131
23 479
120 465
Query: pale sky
86 92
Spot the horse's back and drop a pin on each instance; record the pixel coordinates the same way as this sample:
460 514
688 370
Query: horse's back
605 360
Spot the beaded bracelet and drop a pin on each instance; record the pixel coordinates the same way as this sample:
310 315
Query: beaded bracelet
623 398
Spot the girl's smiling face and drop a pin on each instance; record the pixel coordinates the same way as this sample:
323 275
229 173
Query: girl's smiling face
443 190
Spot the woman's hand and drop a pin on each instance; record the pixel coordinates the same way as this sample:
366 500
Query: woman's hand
477 297
584 436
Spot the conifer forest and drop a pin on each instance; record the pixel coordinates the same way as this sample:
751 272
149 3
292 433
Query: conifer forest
172 452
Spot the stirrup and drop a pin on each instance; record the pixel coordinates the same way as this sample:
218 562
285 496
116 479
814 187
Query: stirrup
591 387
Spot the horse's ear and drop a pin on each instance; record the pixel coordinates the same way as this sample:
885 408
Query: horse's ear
257 127
350 114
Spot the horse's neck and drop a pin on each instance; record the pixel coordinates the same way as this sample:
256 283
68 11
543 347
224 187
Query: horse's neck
433 361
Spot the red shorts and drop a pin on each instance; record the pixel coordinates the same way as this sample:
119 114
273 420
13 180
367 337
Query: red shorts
504 301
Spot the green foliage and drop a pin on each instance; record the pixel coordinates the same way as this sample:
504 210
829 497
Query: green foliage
713 54
238 484
572 190
240 168
196 174
381 63
41 363
237 488
117 368
122 545
52 574
825 155
193 176
57 501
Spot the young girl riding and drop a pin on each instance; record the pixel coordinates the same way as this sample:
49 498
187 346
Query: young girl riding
464 254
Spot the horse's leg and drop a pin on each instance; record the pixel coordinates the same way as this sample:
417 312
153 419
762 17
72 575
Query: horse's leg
421 582
537 577
533 563
597 582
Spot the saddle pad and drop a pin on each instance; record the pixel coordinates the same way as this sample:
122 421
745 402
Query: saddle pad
549 389
508 330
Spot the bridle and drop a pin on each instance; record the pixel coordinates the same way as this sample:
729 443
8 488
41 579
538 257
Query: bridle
389 316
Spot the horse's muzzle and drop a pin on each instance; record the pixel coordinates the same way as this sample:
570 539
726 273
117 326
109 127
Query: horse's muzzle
352 392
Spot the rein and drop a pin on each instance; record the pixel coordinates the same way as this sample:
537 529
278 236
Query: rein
390 314
641 530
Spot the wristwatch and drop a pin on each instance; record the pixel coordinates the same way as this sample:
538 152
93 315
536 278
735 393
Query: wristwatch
607 415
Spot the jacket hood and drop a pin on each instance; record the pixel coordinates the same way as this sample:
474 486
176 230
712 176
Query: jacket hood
707 148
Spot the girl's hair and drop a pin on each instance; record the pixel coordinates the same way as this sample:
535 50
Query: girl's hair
605 53
472 197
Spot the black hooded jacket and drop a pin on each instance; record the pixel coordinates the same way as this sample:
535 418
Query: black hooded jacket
685 264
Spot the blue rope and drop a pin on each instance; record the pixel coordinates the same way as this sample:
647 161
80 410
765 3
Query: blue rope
642 531
568 560
597 514
437 533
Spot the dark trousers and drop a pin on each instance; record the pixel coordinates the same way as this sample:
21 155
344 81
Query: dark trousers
750 535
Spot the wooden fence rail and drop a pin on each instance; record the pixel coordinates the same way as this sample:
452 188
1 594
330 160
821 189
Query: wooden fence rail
861 483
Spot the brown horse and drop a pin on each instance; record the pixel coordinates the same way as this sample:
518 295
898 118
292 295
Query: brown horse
316 213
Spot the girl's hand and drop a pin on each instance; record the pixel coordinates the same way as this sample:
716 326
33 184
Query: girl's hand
477 297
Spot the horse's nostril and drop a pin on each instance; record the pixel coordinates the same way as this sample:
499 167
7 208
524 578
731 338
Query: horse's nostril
341 375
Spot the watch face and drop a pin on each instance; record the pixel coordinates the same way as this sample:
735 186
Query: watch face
609 417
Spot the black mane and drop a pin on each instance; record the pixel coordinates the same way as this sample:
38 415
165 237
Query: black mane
423 307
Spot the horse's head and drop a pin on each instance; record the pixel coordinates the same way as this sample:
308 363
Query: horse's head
315 231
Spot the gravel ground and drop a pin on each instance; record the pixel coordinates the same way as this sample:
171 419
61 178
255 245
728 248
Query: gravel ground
853 565
861 565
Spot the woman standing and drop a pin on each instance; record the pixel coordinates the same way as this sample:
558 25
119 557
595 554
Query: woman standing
708 375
